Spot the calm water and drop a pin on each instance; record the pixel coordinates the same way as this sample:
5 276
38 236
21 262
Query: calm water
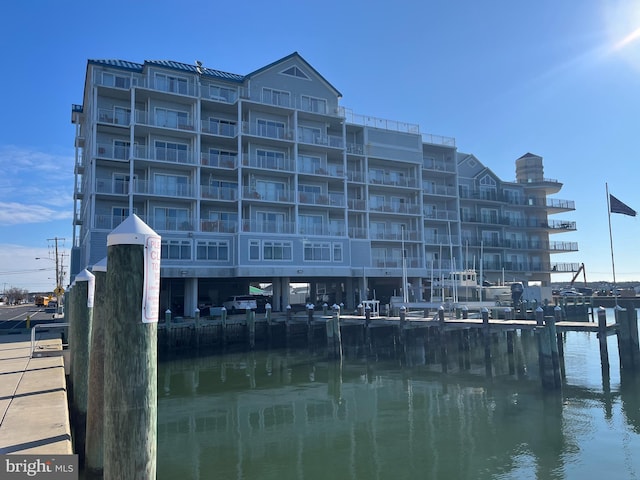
293 414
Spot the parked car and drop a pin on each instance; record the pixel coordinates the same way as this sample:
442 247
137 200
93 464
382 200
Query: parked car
238 303
570 292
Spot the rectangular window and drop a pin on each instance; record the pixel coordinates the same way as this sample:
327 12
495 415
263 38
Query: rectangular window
175 250
169 83
270 159
270 190
272 250
224 128
312 104
172 152
254 250
220 158
270 222
222 94
111 80
213 250
171 118
309 164
310 135
337 252
171 185
311 225
276 97
270 128
317 252
121 183
121 149
171 219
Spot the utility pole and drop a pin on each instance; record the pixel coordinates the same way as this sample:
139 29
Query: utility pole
59 267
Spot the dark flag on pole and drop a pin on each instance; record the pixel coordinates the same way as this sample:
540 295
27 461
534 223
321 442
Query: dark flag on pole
616 206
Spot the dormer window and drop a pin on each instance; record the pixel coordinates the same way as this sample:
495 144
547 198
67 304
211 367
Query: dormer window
295 72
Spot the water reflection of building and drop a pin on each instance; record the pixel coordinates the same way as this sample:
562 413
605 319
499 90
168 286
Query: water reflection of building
269 415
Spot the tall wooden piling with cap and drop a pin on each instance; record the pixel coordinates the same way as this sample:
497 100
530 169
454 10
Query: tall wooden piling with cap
94 445
81 322
130 369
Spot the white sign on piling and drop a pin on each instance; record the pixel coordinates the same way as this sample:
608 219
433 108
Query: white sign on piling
133 231
151 293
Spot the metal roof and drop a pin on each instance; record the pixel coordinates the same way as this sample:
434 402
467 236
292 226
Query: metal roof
138 67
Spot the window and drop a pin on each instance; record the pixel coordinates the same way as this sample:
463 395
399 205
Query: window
111 80
171 118
121 115
270 222
168 83
175 250
221 189
213 250
224 128
222 93
337 252
270 190
121 183
295 72
273 250
317 252
270 159
254 250
171 218
172 152
118 215
173 185
276 97
309 164
311 104
121 149
219 158
310 134
311 224
270 128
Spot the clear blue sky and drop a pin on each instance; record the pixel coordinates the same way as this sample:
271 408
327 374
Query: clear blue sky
558 79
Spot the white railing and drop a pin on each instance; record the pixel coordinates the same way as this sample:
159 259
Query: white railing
43 325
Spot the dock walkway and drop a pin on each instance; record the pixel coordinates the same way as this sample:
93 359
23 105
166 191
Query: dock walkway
34 416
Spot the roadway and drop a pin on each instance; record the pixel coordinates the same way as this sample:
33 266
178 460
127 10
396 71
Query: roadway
13 317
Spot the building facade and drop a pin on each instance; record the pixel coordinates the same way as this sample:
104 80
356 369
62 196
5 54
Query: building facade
266 179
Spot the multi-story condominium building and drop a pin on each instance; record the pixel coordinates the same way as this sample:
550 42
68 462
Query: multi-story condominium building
266 179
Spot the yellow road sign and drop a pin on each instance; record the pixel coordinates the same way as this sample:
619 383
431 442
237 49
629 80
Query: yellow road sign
59 291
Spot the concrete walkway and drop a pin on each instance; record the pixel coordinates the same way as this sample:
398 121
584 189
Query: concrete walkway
34 415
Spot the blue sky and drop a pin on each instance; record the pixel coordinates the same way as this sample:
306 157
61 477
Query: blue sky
558 79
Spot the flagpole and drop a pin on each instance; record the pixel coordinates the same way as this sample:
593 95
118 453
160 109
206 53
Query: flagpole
613 263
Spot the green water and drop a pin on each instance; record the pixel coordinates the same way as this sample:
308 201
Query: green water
395 414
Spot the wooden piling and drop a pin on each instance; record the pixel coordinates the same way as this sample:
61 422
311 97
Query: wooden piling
130 370
602 338
251 327
334 337
83 316
94 445
487 342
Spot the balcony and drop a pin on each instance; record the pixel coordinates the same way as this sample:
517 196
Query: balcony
390 207
447 215
255 226
219 160
393 180
220 129
556 247
408 235
560 225
112 152
382 262
176 123
443 240
169 224
332 230
111 186
268 163
111 116
146 187
208 192
442 190
164 154
249 193
323 199
267 131
219 226
333 141
438 165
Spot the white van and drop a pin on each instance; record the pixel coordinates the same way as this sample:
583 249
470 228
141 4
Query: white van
240 302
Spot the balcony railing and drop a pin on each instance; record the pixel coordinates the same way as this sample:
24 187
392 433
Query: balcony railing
114 152
267 131
438 165
380 262
108 185
442 239
357 232
268 163
108 222
334 141
560 225
121 117
409 235
146 187
219 160
255 226
400 181
388 207
323 230
219 226
333 199
229 130
564 204
441 215
249 193
446 190
218 193
179 123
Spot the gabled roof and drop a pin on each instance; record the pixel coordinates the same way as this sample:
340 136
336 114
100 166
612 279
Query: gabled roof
297 56
138 67
529 155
